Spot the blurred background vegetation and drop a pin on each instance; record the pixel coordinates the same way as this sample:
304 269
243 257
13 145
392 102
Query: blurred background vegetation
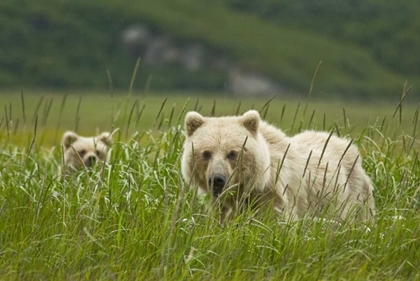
368 49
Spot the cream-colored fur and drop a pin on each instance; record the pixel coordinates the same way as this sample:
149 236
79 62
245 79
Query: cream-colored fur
82 152
311 173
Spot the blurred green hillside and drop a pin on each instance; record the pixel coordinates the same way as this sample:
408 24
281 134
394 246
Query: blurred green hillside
387 29
368 50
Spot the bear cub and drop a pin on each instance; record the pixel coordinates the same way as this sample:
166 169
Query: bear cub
82 152
243 161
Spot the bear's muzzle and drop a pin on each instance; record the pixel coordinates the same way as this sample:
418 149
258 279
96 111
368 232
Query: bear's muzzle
216 183
91 161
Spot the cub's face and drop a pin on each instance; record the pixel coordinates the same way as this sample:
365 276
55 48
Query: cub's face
223 153
85 151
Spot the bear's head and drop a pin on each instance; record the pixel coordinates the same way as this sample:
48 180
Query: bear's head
223 154
85 151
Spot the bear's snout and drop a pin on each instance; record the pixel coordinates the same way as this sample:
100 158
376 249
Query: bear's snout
91 160
216 183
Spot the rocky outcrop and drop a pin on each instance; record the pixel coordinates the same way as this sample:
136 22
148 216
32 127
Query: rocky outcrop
161 50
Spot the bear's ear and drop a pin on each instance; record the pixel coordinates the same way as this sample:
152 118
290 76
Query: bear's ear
106 138
69 137
251 121
193 120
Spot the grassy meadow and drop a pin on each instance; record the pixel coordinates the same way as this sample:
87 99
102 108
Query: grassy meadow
136 219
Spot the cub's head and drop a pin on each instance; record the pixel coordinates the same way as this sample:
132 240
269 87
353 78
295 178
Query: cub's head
223 154
85 151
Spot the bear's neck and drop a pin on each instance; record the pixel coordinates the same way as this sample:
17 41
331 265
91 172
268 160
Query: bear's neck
275 137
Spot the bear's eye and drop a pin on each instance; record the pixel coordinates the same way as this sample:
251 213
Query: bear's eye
98 153
82 152
232 155
206 155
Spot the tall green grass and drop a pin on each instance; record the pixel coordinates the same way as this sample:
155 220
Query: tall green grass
91 112
136 219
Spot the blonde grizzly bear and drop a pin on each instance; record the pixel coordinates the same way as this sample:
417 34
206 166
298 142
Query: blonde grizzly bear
244 161
82 152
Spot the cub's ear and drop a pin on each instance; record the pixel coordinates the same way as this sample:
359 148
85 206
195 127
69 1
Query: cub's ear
251 121
69 137
106 138
193 120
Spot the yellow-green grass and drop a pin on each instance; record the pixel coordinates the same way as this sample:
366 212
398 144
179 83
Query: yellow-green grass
136 219
88 113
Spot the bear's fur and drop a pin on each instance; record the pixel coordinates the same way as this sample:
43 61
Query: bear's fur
82 152
243 160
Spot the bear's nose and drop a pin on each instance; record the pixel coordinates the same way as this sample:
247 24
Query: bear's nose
217 182
90 161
